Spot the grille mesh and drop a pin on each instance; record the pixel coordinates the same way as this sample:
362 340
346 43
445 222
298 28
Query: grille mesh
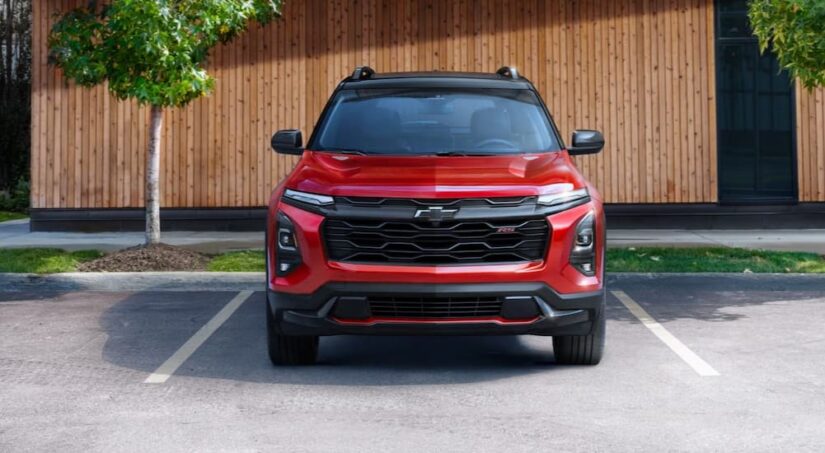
425 243
434 306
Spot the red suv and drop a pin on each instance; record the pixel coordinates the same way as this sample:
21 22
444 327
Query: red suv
435 203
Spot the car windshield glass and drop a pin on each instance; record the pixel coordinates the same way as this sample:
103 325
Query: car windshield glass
446 122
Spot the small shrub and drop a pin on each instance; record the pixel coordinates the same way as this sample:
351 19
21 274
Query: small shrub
18 199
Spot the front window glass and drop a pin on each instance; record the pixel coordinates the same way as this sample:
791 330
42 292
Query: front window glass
420 121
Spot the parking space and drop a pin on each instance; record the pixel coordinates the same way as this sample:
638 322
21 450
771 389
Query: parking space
77 363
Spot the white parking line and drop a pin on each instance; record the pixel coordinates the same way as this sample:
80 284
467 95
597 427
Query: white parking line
696 362
168 368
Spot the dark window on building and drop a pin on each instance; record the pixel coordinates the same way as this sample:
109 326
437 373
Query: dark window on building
755 115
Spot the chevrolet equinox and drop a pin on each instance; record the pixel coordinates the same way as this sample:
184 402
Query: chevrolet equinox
435 203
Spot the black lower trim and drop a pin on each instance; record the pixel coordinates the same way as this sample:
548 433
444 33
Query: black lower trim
619 216
562 314
172 219
715 216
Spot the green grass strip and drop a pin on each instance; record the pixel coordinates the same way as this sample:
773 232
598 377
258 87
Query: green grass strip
631 259
242 261
43 261
6 216
711 259
639 259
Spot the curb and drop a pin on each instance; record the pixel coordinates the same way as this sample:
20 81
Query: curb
611 276
727 281
254 281
134 281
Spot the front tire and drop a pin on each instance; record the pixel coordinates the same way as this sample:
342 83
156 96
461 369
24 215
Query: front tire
582 349
289 349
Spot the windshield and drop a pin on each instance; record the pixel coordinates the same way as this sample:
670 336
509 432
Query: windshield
404 121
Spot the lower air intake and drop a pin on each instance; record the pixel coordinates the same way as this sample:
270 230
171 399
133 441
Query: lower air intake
434 306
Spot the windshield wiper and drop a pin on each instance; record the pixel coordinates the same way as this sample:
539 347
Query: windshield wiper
463 153
345 151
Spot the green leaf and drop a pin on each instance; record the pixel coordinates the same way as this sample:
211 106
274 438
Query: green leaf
153 51
795 31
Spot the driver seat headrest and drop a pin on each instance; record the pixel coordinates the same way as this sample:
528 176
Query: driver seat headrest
491 123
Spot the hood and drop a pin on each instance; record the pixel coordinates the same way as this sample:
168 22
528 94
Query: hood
435 177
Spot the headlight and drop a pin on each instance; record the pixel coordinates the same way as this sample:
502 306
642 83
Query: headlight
569 196
288 256
309 198
583 253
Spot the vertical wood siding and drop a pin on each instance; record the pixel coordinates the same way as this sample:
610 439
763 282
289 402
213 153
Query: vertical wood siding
641 71
810 138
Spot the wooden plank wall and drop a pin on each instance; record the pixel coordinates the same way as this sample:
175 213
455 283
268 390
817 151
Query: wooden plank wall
810 134
641 71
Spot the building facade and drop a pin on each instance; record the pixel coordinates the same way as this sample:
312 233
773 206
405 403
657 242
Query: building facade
697 122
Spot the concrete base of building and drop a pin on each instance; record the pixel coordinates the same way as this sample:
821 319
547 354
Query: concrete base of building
690 216
619 216
129 219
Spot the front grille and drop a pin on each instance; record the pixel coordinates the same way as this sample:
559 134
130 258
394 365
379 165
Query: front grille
426 243
434 306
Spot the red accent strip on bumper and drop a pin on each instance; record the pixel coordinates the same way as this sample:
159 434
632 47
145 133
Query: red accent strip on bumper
494 320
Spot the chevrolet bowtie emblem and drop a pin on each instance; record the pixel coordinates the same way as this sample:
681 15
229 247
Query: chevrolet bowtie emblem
435 214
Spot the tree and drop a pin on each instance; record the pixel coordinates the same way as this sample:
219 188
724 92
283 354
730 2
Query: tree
153 51
15 106
795 31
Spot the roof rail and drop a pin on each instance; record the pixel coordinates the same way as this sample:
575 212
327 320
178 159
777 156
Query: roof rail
362 72
508 71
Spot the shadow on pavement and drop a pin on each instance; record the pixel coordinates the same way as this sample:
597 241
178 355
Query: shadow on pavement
21 296
710 297
147 328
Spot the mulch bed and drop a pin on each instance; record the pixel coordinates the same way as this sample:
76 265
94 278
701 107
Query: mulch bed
157 258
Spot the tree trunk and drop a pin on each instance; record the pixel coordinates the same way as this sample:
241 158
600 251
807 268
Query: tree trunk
152 177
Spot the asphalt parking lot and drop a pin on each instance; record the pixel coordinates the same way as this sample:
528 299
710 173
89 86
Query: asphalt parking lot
692 363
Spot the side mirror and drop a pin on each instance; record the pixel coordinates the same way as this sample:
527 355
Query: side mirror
586 141
288 141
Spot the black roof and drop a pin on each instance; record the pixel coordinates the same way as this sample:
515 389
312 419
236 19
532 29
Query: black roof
436 79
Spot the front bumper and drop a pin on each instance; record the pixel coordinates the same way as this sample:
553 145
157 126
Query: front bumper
317 270
315 314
